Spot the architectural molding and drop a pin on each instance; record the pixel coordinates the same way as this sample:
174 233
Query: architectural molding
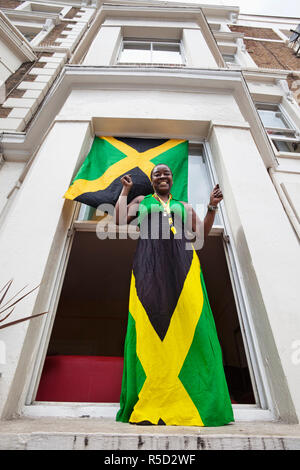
38 17
161 12
22 146
265 75
15 40
285 88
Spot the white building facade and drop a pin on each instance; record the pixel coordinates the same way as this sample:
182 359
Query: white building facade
152 70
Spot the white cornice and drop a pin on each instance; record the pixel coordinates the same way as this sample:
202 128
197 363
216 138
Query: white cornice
32 16
269 19
227 36
22 146
15 40
265 75
219 10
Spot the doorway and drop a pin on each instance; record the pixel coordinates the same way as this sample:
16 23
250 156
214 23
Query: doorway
84 359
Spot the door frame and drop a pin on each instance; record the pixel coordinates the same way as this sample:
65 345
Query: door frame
262 410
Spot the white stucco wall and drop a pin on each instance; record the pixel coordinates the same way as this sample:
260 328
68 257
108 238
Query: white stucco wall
268 250
197 51
9 174
10 61
36 218
104 47
151 104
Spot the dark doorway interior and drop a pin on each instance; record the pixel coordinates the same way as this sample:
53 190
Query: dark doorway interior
91 317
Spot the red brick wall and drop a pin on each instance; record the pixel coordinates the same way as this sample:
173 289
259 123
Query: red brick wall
261 33
272 55
12 4
55 33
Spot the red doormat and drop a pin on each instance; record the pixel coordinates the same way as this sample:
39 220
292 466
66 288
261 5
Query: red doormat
94 379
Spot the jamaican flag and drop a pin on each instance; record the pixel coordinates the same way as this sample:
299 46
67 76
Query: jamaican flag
110 158
173 370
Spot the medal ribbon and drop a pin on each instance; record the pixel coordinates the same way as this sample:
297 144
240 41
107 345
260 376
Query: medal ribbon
166 206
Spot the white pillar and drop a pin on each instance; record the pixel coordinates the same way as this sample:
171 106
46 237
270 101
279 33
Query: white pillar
197 51
268 253
104 47
29 249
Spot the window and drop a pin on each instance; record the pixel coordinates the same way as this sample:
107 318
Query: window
43 8
150 52
281 131
230 59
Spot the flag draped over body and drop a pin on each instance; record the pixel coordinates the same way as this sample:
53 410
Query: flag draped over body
173 371
110 158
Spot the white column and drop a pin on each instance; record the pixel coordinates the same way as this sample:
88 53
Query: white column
29 248
196 49
104 47
268 253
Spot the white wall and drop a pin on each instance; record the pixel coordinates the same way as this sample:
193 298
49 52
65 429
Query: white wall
197 51
9 174
10 62
104 47
152 104
26 240
268 251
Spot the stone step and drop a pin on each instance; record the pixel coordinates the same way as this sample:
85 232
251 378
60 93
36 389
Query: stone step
106 434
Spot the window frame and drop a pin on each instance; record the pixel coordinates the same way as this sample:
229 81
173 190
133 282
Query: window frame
279 133
86 218
230 63
151 41
55 9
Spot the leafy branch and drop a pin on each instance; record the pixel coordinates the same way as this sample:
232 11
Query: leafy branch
9 305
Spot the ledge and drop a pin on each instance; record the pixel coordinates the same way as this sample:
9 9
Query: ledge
107 434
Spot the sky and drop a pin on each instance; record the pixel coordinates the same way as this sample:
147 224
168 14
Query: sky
287 8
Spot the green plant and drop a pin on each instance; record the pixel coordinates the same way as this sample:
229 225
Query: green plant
8 305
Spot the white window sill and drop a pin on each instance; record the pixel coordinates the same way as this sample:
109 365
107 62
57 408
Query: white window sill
241 413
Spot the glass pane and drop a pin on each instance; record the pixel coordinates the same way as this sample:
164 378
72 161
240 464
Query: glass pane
166 54
288 133
284 146
86 212
272 118
166 47
29 35
135 53
199 184
143 46
229 59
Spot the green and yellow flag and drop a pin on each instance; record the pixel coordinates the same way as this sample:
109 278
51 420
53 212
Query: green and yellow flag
173 367
98 180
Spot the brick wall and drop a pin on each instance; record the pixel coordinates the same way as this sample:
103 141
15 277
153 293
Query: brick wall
9 4
72 13
55 33
261 33
272 55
